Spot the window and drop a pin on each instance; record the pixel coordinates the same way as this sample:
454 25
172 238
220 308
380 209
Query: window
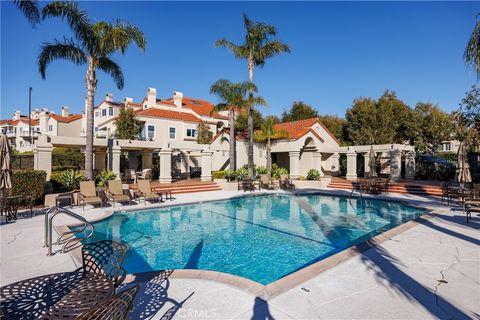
110 111
150 131
104 112
191 133
50 128
172 132
97 114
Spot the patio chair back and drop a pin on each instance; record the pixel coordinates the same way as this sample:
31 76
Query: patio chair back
87 189
263 178
130 174
147 174
105 257
144 186
283 177
115 187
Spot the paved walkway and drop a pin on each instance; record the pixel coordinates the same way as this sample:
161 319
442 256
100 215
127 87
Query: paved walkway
430 271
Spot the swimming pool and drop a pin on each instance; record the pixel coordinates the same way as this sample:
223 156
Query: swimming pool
262 238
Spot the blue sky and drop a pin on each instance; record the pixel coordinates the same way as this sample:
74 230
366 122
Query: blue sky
340 51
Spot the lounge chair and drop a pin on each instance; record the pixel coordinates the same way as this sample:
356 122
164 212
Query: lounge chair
266 182
247 185
115 192
286 183
145 191
88 194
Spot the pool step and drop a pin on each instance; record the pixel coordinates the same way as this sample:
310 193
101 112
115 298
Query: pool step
395 187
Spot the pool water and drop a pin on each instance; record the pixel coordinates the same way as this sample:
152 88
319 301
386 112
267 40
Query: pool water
262 238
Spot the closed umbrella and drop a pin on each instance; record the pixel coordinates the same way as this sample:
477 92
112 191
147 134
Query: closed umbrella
5 177
463 168
372 163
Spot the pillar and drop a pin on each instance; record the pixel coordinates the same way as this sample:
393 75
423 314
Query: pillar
165 166
317 161
115 164
100 160
395 164
206 165
410 165
335 164
366 164
42 156
294 164
351 165
147 157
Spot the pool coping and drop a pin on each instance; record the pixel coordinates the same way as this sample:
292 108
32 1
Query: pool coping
275 288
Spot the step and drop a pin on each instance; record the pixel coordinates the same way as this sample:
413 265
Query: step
395 188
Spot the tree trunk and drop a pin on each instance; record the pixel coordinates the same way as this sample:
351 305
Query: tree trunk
233 142
91 81
250 123
269 158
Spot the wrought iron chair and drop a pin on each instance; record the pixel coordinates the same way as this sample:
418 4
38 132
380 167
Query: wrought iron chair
116 308
105 257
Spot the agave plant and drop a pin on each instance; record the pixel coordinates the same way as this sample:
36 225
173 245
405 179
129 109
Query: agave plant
70 179
103 177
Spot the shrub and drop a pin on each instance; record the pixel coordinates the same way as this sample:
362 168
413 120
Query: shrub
29 183
277 171
261 170
241 173
70 179
103 177
313 174
218 174
230 175
63 168
301 178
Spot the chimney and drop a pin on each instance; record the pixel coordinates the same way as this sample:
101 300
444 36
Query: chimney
109 97
128 100
177 99
65 111
43 121
151 97
16 115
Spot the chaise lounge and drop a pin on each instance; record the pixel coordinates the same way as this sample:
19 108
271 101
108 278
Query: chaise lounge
88 194
115 192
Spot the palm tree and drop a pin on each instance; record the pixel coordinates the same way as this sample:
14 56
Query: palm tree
258 47
231 96
29 9
267 134
472 52
93 45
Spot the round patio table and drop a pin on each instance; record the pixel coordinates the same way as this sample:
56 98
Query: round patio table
54 296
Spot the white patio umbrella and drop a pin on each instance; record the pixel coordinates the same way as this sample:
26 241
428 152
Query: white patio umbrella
372 163
463 168
5 177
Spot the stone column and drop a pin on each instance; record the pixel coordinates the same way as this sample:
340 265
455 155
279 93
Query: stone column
351 165
317 161
100 157
147 156
395 164
116 153
165 166
410 165
42 156
366 166
335 164
294 164
206 165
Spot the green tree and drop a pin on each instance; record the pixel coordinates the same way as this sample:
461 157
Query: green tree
93 45
472 51
467 118
434 126
335 125
30 10
241 120
204 135
231 95
266 135
127 125
260 44
299 111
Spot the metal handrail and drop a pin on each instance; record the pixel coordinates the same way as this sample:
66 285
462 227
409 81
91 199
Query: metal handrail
50 214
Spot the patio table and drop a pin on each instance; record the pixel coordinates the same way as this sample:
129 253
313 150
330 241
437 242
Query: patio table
55 296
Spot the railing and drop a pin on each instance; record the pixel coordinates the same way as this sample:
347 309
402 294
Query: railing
52 213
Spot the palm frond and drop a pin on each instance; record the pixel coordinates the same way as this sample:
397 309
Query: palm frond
66 49
77 20
472 51
269 50
239 51
113 69
29 9
118 36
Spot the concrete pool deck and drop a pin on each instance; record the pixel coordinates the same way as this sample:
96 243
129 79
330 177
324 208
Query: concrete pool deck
396 279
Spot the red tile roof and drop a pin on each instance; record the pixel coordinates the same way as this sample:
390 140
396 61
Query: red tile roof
297 129
167 114
201 107
68 119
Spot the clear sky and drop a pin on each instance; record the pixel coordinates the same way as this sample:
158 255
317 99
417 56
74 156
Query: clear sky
340 51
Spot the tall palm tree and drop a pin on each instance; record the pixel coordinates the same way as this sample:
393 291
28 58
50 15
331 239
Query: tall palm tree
231 95
29 9
93 45
260 44
472 51
267 134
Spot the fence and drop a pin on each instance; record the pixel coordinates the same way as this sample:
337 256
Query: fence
60 161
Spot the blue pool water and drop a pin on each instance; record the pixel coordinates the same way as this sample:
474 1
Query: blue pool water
262 238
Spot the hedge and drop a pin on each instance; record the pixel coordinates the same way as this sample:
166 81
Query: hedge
29 183
218 174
